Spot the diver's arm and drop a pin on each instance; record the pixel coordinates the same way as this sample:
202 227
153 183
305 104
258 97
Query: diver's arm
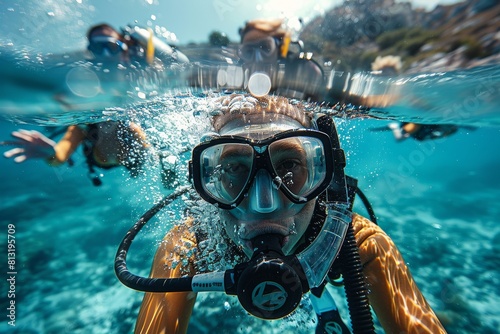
32 144
168 312
394 295
29 144
73 137
303 79
372 101
139 134
355 89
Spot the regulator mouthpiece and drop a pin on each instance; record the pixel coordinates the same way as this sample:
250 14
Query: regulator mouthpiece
270 286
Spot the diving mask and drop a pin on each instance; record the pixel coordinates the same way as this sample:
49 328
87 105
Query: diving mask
106 45
262 50
226 169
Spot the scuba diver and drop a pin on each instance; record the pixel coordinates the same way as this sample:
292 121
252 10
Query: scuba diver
266 48
105 145
275 175
133 44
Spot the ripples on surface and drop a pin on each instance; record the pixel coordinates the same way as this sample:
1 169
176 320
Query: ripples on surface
61 91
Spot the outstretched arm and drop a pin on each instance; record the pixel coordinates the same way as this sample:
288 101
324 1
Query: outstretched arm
168 312
31 144
394 295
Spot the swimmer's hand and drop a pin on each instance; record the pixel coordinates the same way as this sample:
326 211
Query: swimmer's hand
30 145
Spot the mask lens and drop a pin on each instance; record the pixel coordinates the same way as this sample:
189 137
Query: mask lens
300 163
225 170
114 48
265 47
96 48
98 44
247 52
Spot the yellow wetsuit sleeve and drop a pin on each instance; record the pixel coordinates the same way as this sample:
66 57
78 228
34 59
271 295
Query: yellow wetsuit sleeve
169 312
67 145
394 295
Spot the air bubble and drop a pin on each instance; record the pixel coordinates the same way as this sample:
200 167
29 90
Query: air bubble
241 231
277 182
288 179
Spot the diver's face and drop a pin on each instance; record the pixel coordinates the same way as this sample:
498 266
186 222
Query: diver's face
105 44
259 49
265 209
292 227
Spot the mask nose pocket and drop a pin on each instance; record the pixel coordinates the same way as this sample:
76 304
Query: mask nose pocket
263 197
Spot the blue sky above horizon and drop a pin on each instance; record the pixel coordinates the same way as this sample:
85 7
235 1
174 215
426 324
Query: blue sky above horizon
28 22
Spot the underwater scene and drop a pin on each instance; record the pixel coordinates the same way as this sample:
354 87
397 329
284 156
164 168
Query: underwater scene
110 100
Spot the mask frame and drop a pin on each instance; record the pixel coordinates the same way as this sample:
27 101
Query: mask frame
98 44
261 160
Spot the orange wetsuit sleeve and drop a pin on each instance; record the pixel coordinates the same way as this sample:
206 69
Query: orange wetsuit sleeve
139 134
169 312
394 295
67 145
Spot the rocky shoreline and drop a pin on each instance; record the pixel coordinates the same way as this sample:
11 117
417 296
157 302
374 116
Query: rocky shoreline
462 35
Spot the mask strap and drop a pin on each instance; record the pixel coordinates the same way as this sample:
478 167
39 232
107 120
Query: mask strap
338 186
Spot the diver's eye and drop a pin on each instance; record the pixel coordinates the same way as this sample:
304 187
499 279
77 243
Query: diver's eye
267 46
288 165
235 168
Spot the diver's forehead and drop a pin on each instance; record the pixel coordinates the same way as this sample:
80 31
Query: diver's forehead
254 35
259 129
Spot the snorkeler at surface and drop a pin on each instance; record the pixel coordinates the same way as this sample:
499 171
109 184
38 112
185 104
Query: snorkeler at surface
275 174
420 132
105 145
391 66
265 48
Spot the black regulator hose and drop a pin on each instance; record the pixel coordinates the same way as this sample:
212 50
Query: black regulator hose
367 204
140 283
355 286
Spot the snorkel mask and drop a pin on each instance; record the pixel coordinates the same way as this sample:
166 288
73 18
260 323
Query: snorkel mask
106 46
271 284
260 169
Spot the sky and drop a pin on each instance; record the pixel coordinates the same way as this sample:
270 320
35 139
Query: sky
66 21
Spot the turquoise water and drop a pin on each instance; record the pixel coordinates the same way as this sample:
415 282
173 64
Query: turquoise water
438 200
